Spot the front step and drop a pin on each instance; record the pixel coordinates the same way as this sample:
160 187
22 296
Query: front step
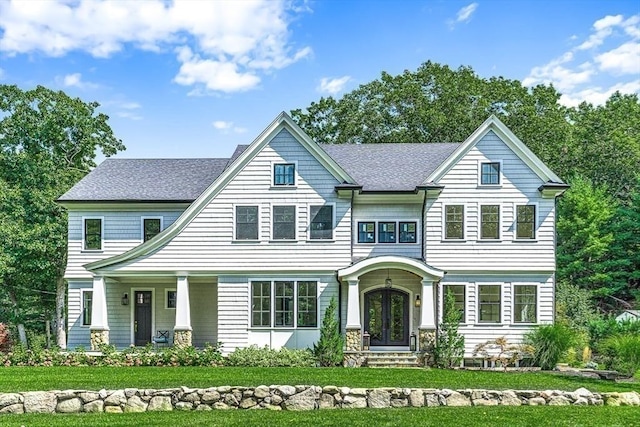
396 359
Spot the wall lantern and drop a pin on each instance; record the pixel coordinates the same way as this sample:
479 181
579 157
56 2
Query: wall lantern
366 341
418 302
413 341
387 282
125 299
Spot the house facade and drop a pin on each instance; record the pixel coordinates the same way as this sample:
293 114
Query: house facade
251 249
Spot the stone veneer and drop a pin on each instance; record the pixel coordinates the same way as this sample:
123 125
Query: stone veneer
99 337
292 398
353 340
182 338
427 339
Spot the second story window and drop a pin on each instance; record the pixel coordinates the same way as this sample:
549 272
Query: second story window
454 222
93 234
386 232
246 223
150 228
284 222
526 222
321 226
490 222
366 232
490 173
284 174
407 232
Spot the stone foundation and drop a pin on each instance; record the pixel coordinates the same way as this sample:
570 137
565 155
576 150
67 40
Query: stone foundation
353 340
427 340
292 398
99 337
182 338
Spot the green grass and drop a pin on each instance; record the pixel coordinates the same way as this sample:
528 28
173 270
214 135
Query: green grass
14 379
442 416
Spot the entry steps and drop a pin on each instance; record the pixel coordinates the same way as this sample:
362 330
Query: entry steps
392 359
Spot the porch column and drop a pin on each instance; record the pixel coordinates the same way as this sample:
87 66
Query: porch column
182 329
353 328
99 320
427 329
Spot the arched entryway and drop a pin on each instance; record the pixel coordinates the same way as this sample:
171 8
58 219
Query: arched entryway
386 317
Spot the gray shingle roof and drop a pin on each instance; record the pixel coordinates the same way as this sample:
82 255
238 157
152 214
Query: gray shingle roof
147 180
390 167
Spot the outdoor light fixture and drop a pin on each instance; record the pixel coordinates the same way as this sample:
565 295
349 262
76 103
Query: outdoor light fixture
413 341
418 302
125 299
366 341
387 282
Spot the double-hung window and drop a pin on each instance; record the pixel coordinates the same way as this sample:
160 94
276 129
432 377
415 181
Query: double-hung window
366 232
454 222
150 228
458 293
525 299
386 232
87 300
321 226
525 222
490 222
490 173
246 223
92 234
284 304
489 304
284 222
284 174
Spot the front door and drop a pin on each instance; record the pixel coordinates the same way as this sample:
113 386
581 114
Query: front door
386 317
142 318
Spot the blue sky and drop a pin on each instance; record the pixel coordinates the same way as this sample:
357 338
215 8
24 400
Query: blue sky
196 78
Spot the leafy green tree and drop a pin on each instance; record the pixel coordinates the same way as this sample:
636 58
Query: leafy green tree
575 307
449 349
328 349
48 141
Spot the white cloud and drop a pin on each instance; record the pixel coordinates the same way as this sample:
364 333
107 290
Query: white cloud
625 59
464 15
74 80
332 86
226 127
562 77
598 95
234 41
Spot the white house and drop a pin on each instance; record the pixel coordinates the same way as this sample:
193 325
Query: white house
251 249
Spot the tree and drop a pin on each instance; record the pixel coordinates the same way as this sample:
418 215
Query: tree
48 141
449 349
328 349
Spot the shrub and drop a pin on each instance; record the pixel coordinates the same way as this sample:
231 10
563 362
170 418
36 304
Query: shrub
605 328
449 349
328 349
5 338
621 353
550 342
265 357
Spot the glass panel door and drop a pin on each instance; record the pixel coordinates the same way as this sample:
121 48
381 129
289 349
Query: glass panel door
387 317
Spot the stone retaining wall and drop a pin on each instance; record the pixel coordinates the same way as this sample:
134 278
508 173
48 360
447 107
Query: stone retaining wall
292 398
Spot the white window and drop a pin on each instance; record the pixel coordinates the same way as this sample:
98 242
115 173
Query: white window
284 304
525 303
246 222
321 226
151 227
489 222
489 303
170 298
284 222
86 301
92 233
454 222
526 222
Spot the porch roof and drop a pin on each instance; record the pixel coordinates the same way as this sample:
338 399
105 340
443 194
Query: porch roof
413 265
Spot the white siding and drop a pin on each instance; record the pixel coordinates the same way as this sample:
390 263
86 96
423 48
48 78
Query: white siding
519 185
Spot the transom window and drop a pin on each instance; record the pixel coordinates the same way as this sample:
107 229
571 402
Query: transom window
490 173
526 222
284 222
150 228
93 233
366 232
407 232
284 174
525 303
458 292
246 223
294 304
454 222
490 222
489 304
386 232
321 226
87 300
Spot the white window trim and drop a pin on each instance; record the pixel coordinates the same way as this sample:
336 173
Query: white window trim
499 238
464 222
82 292
166 298
513 302
333 221
272 174
101 218
295 223
142 219
463 321
535 222
234 224
502 305
500 175
272 311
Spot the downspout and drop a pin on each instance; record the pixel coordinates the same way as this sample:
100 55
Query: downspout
424 230
352 223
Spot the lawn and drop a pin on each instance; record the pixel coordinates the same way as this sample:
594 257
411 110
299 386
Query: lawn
14 379
441 416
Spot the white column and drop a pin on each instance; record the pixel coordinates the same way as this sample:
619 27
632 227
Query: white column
353 304
99 319
183 308
427 308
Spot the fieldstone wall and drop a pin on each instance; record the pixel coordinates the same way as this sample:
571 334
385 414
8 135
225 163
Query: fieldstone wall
182 338
353 339
99 337
291 398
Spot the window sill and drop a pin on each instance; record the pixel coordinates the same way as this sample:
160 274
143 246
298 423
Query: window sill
453 241
92 251
320 240
489 241
287 241
246 242
489 186
525 240
283 187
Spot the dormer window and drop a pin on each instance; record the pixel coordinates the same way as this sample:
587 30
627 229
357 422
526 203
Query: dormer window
284 174
490 173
